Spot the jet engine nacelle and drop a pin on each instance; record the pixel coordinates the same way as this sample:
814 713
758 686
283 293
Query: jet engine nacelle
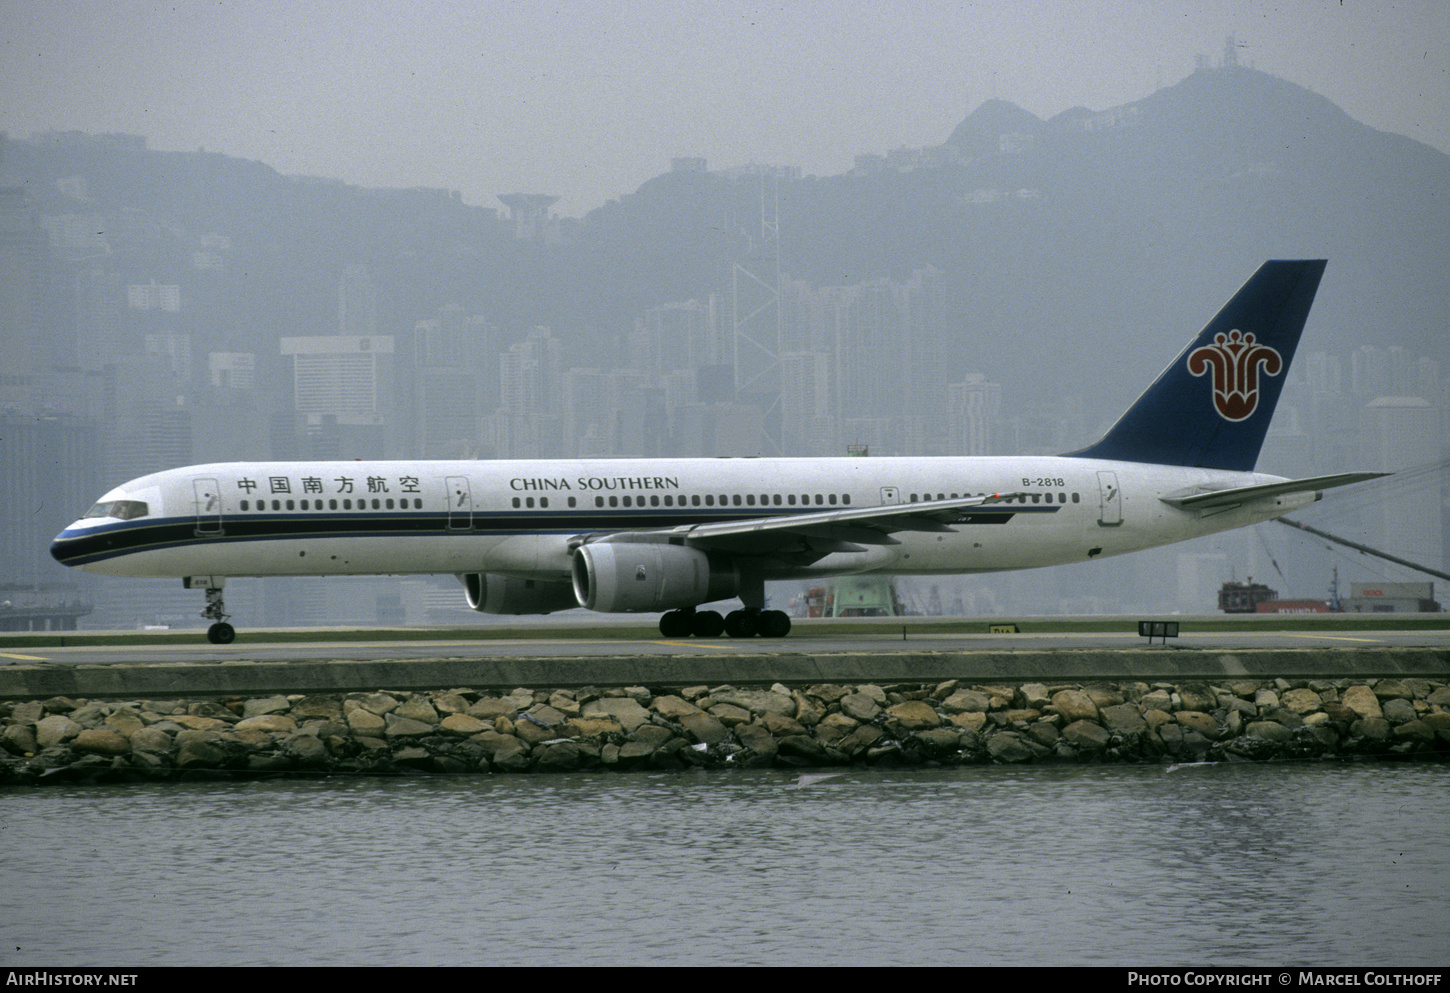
489 593
619 576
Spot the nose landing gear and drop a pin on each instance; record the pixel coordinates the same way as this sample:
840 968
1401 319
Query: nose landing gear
220 632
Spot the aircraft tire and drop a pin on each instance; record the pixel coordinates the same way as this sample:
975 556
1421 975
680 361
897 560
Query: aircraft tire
707 624
774 624
221 633
675 624
741 623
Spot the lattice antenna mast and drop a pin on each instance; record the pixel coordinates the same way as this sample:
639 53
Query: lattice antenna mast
756 311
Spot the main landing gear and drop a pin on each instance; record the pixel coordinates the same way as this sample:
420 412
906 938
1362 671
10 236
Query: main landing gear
745 623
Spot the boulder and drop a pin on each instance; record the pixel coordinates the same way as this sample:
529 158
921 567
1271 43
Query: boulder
462 725
704 728
56 729
625 710
966 701
1074 705
101 741
1008 746
1123 718
758 701
265 705
914 715
406 727
1269 731
272 722
1086 735
673 708
1362 700
1198 721
860 706
328 707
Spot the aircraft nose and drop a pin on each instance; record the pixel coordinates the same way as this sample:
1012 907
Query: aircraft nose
63 547
57 550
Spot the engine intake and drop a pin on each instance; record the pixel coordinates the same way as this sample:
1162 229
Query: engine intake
628 576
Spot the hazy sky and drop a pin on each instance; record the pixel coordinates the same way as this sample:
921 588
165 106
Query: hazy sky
589 100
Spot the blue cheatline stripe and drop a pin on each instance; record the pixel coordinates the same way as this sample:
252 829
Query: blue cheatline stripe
113 541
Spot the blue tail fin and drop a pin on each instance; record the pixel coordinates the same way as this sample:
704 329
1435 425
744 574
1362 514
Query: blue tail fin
1211 407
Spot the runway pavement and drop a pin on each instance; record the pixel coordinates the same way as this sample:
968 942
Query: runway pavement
258 647
883 652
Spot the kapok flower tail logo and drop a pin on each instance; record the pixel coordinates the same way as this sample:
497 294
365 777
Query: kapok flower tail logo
1235 360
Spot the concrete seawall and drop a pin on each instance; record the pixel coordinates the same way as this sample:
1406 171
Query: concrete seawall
140 679
168 722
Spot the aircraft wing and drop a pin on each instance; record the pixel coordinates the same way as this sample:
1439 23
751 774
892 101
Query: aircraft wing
842 529
1201 499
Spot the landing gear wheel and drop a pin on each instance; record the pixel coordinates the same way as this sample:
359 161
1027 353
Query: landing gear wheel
741 623
220 633
676 623
707 624
774 624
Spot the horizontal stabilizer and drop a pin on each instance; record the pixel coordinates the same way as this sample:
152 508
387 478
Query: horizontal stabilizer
1200 499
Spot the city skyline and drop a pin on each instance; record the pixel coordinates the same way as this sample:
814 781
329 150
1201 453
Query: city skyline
587 102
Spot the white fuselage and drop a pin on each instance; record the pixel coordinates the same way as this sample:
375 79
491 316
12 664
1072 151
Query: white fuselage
522 518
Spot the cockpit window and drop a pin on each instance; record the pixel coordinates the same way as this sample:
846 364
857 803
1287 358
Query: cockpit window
122 510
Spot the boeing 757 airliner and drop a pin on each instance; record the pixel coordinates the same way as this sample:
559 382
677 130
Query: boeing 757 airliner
670 535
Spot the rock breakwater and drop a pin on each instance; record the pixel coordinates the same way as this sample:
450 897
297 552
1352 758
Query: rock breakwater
821 725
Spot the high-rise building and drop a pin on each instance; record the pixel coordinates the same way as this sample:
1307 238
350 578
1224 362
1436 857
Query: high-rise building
453 383
347 381
975 415
527 423
1403 433
24 251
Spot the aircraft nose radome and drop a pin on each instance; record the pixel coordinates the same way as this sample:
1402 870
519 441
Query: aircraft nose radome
59 546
